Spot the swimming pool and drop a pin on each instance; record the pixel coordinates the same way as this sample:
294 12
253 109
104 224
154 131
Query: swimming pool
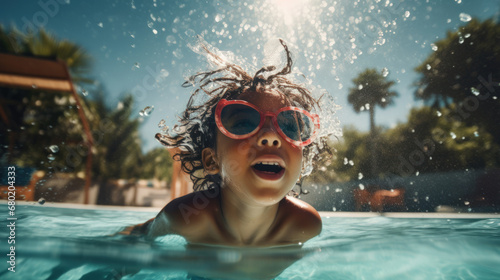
53 242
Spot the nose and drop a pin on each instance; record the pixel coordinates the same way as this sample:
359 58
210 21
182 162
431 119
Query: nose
269 138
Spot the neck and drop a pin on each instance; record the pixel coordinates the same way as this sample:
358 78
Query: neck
247 223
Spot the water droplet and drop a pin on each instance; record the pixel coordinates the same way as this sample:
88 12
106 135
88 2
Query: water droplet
467 35
346 161
360 176
367 106
385 72
161 124
54 148
460 40
428 66
407 14
137 65
466 202
476 134
434 47
155 31
51 157
439 114
41 201
453 135
84 92
190 33
218 18
361 186
34 86
338 190
426 198
351 163
360 87
474 91
417 173
147 111
465 17
171 40
100 25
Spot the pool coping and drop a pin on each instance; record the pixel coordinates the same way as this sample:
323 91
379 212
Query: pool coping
325 214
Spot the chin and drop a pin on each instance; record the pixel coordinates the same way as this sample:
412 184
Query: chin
268 196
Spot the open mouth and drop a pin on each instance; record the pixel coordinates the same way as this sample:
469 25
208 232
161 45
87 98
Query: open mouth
268 170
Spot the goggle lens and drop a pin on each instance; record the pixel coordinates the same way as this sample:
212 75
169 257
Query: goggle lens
240 119
295 125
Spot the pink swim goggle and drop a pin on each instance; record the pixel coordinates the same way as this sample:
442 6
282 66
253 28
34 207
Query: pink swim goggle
240 119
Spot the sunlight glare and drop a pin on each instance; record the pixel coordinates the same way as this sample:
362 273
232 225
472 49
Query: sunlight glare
290 9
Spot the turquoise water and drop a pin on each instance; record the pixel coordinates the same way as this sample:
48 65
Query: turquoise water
62 243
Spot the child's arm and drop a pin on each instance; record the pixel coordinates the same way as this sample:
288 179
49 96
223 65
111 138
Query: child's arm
168 221
140 229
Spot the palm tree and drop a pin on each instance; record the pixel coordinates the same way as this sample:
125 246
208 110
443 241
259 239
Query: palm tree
371 89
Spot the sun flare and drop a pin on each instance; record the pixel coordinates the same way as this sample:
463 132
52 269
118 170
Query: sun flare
290 9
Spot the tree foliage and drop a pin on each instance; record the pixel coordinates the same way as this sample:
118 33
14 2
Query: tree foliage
430 141
465 71
46 132
33 120
371 89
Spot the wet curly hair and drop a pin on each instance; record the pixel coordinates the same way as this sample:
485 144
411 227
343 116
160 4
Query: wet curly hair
197 129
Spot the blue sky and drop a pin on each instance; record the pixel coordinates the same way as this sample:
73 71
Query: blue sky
140 47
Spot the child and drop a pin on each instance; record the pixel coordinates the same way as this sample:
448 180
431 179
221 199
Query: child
245 147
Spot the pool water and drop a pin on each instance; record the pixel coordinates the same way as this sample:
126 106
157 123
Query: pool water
66 243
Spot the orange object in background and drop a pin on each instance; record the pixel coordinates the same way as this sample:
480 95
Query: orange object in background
23 192
181 183
377 199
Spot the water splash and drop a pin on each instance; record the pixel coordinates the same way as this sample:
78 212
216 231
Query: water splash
162 124
41 201
385 72
465 17
54 148
475 91
147 111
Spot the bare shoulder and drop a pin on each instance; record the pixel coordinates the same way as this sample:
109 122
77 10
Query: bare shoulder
185 215
303 219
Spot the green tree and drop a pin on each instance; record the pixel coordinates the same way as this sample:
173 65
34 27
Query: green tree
350 162
464 70
26 120
428 142
371 89
157 164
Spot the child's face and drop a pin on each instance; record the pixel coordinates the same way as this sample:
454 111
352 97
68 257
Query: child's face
239 159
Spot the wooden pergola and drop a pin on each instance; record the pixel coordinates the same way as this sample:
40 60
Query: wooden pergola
44 74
